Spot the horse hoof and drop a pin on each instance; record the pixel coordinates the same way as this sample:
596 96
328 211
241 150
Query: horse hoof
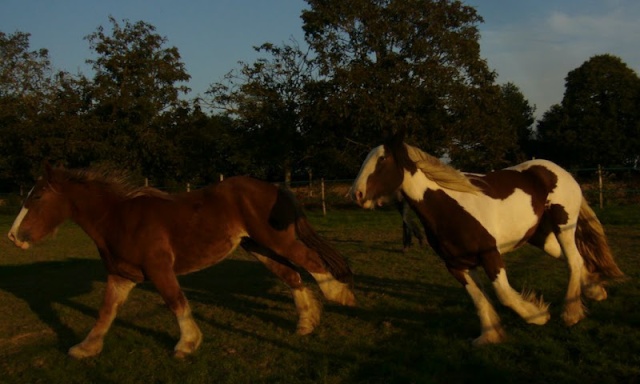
304 330
80 351
540 319
494 336
572 319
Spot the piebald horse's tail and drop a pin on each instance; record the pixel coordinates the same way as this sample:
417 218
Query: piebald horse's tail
592 245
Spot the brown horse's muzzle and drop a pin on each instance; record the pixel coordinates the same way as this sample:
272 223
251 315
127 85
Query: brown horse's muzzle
15 240
14 235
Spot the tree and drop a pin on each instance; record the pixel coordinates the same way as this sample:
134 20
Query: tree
266 99
519 115
598 121
413 64
25 81
136 93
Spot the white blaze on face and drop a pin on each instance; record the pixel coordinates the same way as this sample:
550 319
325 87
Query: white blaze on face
359 187
13 232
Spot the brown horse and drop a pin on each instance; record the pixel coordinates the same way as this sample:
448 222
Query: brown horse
145 234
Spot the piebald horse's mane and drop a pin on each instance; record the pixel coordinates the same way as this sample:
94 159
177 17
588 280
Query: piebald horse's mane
442 174
117 182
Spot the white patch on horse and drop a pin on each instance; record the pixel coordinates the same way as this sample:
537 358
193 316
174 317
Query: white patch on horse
414 186
507 220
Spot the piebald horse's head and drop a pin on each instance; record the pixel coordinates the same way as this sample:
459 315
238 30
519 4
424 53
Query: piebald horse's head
382 173
44 209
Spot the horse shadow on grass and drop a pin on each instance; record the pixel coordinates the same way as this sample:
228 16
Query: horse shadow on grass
42 285
45 285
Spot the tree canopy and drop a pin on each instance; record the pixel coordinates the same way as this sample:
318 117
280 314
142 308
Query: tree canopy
598 120
366 68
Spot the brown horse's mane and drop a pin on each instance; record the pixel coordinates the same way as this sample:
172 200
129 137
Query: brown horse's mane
117 182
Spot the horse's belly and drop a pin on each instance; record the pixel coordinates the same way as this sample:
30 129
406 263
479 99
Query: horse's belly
201 254
509 221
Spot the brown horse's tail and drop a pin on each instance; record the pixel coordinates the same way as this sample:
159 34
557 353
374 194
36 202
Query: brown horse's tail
592 245
288 210
335 263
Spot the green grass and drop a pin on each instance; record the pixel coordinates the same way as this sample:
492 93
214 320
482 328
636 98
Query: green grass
413 323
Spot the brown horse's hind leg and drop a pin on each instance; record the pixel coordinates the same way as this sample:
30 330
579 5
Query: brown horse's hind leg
307 258
167 285
332 288
309 309
116 293
284 244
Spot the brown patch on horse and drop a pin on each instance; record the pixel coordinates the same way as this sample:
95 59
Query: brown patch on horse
458 237
536 181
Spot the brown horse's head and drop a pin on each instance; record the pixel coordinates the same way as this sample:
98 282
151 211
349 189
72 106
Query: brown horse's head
382 173
44 209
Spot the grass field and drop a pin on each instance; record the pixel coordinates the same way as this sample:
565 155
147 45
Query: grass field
413 323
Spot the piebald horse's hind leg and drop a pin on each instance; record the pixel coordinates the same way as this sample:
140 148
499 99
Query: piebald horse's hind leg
548 241
492 331
574 310
116 293
167 285
308 307
592 290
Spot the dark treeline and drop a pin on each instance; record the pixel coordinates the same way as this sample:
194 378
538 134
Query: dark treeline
367 67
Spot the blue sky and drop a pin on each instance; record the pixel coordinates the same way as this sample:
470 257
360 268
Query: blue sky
533 44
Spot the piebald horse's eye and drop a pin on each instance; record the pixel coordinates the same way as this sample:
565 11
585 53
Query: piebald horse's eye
381 159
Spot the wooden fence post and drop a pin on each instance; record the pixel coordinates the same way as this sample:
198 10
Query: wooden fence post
600 186
324 207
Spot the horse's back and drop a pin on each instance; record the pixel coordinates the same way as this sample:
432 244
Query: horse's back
561 186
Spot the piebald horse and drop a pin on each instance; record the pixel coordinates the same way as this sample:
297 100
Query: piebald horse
472 220
145 234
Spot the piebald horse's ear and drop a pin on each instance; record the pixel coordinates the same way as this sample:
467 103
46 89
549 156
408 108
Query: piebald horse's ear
396 138
48 170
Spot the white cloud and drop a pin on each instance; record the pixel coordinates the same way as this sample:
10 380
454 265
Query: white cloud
536 55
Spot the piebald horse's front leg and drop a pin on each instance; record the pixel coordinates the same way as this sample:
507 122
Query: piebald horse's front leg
492 331
116 293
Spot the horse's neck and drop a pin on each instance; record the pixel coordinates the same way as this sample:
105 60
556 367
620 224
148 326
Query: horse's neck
415 185
90 206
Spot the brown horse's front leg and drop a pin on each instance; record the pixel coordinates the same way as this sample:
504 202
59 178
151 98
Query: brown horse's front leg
116 293
167 285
